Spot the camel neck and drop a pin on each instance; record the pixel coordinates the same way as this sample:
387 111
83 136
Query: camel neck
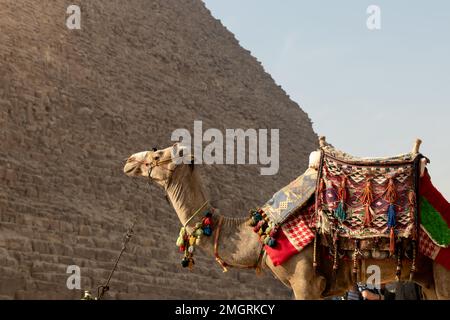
186 194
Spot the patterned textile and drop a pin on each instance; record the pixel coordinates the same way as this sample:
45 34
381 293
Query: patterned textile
427 246
290 198
297 229
434 213
429 249
384 187
294 236
348 176
297 234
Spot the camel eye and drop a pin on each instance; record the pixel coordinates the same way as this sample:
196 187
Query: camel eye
156 158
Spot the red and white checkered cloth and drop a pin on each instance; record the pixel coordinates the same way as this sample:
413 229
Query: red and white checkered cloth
297 230
294 236
427 246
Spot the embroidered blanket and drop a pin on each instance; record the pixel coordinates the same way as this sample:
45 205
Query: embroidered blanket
297 231
290 198
367 198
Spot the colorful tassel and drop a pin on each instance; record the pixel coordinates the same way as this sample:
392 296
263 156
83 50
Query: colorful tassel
390 193
391 196
272 242
187 242
340 212
180 241
391 226
266 229
185 262
367 199
343 190
207 231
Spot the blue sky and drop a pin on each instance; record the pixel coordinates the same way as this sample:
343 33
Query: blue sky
370 92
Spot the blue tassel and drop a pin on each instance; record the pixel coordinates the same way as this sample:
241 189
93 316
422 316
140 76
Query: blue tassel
272 242
258 217
391 216
340 212
207 231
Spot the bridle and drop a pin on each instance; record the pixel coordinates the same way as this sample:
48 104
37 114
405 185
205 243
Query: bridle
158 163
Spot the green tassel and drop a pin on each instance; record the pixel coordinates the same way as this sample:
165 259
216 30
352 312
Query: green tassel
340 212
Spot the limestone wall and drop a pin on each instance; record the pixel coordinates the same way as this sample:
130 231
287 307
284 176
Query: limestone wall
75 103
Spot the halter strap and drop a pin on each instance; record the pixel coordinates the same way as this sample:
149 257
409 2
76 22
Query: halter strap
156 163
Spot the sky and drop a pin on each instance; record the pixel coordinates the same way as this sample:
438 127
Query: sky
370 92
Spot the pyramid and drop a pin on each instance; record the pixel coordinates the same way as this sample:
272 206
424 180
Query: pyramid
75 103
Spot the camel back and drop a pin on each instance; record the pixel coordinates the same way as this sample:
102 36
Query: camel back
367 198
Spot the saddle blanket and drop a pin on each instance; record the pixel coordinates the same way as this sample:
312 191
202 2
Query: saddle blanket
297 232
292 197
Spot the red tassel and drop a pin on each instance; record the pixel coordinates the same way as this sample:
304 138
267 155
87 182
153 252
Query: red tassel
367 199
390 193
343 190
392 241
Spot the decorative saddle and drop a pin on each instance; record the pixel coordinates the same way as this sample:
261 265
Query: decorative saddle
367 203
359 208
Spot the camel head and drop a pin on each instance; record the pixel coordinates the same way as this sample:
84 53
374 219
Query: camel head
158 165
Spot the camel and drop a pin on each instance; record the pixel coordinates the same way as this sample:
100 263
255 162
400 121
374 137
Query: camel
242 247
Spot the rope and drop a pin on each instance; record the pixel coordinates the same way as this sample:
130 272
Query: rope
101 290
195 213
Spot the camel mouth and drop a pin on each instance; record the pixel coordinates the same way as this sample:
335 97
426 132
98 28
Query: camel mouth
132 167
